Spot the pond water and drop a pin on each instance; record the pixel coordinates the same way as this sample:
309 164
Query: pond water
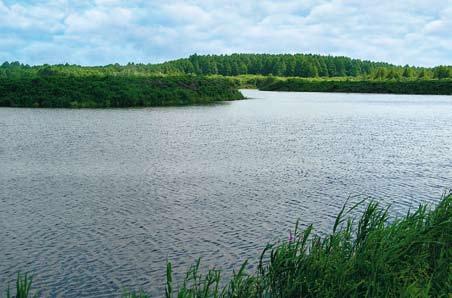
95 201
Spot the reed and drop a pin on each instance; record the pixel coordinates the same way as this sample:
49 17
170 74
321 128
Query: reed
366 256
371 256
23 287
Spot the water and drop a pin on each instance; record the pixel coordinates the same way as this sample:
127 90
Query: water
95 201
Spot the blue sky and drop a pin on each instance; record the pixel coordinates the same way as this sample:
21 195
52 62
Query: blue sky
95 32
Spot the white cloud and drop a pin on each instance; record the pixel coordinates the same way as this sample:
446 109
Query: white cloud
186 13
108 31
96 20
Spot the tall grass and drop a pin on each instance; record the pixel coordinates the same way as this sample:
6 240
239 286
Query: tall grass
23 287
369 256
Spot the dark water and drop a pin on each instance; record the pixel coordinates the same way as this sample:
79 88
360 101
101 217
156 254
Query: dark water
95 201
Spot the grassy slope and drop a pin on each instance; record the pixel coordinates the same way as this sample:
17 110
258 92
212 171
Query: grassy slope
368 257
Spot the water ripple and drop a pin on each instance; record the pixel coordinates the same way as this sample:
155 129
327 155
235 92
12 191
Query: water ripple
95 201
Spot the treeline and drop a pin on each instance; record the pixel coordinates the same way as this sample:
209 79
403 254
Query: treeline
199 79
299 65
109 91
438 87
285 65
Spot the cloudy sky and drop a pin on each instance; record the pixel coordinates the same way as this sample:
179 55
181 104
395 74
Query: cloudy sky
93 32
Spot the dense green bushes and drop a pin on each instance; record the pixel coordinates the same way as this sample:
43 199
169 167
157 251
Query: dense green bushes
368 257
114 91
358 86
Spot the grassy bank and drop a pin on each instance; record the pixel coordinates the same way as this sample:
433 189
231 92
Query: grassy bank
114 91
439 87
369 256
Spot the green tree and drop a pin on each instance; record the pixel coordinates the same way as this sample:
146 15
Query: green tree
380 73
407 72
393 75
441 72
279 68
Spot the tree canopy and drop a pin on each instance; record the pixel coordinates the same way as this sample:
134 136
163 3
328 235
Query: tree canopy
284 65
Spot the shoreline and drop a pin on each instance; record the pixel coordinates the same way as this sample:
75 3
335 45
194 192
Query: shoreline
410 87
115 92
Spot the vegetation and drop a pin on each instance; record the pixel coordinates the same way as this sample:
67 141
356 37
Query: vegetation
298 65
443 87
23 287
285 65
184 81
369 257
114 91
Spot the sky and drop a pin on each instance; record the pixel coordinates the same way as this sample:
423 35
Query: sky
99 32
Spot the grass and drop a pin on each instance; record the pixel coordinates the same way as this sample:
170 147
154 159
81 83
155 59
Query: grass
23 287
368 256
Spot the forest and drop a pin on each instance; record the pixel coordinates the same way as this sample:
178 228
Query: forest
284 65
208 78
298 65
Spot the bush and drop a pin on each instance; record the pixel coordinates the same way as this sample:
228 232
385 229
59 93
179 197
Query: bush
443 87
109 91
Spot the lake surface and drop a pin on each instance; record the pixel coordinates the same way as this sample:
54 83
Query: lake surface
95 201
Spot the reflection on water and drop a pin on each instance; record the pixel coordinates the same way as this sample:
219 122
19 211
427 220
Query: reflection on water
94 201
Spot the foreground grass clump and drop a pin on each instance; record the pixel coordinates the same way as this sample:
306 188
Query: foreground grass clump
371 256
23 287
114 91
368 257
